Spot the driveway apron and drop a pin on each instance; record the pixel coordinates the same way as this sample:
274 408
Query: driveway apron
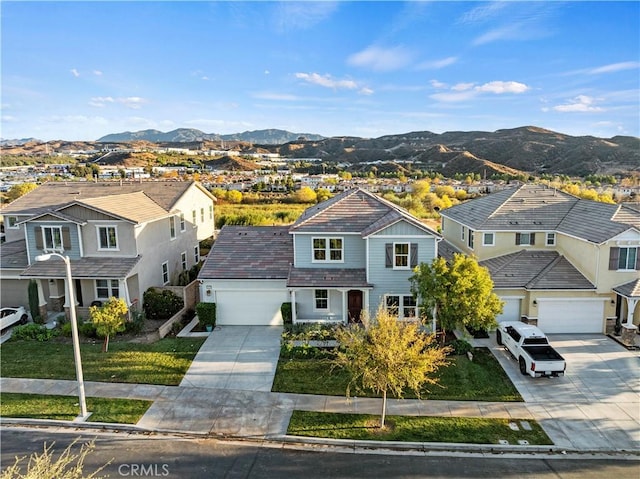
236 357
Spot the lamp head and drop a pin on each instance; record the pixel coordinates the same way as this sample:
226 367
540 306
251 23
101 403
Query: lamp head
43 257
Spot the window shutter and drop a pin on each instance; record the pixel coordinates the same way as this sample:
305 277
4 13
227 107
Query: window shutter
614 256
517 238
37 232
533 238
414 255
388 249
638 258
66 238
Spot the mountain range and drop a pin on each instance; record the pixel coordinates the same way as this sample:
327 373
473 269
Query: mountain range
265 137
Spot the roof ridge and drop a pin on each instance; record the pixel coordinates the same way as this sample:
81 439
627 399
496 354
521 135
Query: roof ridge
544 271
515 255
334 200
515 190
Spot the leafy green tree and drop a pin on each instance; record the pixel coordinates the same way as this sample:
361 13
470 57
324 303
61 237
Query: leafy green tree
323 194
388 355
109 319
305 195
16 191
457 294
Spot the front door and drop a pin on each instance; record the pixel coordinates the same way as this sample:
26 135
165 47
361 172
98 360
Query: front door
354 301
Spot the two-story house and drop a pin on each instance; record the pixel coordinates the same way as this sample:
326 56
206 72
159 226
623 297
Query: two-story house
566 264
121 238
343 256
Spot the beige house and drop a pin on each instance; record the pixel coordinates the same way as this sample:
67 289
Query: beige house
566 264
121 238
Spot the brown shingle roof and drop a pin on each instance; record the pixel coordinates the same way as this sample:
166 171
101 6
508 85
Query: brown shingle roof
630 289
82 268
135 207
13 255
249 252
328 278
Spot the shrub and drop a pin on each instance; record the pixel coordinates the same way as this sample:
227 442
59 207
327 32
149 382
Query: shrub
33 332
88 330
287 316
65 330
460 347
161 304
136 325
34 302
206 313
289 351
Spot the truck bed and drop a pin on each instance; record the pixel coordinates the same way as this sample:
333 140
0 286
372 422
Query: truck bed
543 353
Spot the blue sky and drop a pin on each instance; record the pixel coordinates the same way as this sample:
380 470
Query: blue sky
81 70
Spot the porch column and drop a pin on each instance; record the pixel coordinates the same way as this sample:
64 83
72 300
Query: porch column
42 301
365 301
293 306
631 307
345 318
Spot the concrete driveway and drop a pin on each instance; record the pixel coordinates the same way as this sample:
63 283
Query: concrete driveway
596 402
236 357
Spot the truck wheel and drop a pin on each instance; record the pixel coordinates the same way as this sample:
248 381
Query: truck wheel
523 365
24 319
499 338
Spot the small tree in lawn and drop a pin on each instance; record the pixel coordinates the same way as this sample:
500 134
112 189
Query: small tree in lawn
109 319
458 294
388 356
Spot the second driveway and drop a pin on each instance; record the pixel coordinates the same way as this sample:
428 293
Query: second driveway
236 357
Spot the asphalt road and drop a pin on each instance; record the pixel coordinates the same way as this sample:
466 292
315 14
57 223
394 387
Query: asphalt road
171 457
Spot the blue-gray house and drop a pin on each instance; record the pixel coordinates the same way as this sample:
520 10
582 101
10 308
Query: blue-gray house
346 255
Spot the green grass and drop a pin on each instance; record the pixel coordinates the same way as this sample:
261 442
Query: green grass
163 362
482 379
413 428
65 408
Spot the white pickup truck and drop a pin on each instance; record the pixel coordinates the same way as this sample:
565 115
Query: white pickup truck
531 348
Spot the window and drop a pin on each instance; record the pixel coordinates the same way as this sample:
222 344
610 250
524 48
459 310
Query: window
321 299
172 227
196 254
488 239
107 237
462 237
182 225
327 249
52 238
402 306
628 258
107 288
165 273
210 212
12 222
525 239
470 240
183 260
401 255
193 217
201 215
551 239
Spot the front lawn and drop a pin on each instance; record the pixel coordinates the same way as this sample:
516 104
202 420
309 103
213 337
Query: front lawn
163 362
482 379
414 428
65 408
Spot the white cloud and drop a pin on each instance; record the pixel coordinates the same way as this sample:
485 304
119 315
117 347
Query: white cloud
437 64
465 91
438 84
455 96
133 102
499 87
100 101
366 91
462 86
97 73
302 15
483 12
381 59
275 96
615 67
75 72
327 81
580 104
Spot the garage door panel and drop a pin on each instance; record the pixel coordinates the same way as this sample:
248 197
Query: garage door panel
249 308
570 316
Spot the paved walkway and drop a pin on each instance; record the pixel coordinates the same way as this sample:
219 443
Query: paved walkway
221 394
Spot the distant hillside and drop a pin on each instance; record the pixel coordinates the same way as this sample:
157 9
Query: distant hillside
264 137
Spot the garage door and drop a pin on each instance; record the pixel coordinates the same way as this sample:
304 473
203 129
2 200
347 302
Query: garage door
249 308
510 311
570 316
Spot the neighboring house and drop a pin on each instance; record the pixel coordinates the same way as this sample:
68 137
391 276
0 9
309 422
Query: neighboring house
121 238
568 265
344 256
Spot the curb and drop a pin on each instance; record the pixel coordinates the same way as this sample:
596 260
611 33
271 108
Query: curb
345 445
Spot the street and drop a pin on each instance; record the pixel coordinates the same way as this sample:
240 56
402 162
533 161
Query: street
174 457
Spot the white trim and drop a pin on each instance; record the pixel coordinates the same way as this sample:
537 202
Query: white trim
183 261
493 238
573 299
164 283
196 254
408 255
173 230
367 259
315 300
327 233
99 247
79 234
45 247
429 236
183 222
15 226
327 250
401 305
546 238
109 288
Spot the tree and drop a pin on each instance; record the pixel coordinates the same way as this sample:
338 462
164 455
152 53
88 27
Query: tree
387 355
109 319
16 191
457 294
323 194
305 195
234 197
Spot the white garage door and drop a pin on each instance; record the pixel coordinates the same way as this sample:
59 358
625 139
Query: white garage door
510 311
249 308
570 316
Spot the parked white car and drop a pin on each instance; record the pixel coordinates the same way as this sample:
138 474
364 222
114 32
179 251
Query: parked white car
12 315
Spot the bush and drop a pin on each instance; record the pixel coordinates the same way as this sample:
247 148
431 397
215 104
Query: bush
460 347
34 302
136 325
206 313
88 330
477 333
33 332
65 330
161 304
287 316
309 332
289 351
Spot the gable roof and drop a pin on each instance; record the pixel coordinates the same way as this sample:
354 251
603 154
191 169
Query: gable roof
249 252
535 270
354 211
13 255
328 278
540 208
630 289
135 207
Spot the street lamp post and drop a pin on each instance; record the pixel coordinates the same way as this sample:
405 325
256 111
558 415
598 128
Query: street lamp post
74 331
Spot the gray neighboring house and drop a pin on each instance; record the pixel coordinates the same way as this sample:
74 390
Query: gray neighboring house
121 238
567 264
349 254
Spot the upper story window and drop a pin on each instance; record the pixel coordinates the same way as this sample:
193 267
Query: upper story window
488 239
165 273
462 235
201 215
172 227
470 240
193 217
525 239
107 237
327 249
12 222
624 258
182 223
401 255
183 260
321 297
551 239
52 238
196 254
